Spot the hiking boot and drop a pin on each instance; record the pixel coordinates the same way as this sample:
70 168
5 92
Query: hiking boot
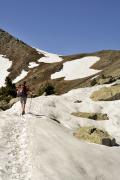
23 112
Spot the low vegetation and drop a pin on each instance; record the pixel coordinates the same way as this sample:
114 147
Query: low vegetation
47 88
95 135
8 92
94 116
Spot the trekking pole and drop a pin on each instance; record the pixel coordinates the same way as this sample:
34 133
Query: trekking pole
30 104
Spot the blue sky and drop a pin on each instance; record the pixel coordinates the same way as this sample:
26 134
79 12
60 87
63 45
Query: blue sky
63 26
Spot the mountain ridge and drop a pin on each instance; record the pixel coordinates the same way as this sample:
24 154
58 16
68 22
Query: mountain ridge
22 54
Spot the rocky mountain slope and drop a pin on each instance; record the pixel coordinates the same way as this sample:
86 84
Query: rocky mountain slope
21 55
18 52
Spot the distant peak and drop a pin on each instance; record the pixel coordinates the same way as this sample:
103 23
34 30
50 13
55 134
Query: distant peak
1 30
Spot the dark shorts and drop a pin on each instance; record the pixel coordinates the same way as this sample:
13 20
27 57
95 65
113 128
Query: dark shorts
23 100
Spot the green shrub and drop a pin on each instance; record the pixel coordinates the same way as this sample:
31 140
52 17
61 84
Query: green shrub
47 88
50 89
10 87
9 91
103 76
93 82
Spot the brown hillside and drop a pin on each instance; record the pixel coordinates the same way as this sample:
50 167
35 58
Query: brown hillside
18 52
21 54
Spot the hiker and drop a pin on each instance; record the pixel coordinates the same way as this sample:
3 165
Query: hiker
22 92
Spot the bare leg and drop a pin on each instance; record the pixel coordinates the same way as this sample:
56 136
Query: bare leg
22 106
23 103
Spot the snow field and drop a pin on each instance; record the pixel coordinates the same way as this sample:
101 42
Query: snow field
16 156
32 65
49 57
21 76
5 64
61 107
76 69
41 148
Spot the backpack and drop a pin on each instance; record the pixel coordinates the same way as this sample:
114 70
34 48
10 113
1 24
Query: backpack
22 92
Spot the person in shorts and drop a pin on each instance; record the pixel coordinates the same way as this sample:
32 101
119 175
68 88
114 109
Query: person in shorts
22 92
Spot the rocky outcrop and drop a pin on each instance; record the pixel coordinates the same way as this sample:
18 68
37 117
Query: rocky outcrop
106 94
94 135
106 80
102 79
13 101
18 52
4 105
94 116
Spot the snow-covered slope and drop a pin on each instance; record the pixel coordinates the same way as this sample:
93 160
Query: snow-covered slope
77 69
5 64
49 57
21 76
36 146
33 64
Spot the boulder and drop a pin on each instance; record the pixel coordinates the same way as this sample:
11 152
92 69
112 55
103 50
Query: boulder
94 116
106 80
3 105
106 94
102 80
13 101
95 135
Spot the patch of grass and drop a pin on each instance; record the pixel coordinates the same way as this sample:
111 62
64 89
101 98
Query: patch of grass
91 134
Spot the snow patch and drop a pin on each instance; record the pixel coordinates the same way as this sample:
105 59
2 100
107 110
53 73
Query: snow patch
76 69
94 77
21 76
5 64
32 65
49 57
